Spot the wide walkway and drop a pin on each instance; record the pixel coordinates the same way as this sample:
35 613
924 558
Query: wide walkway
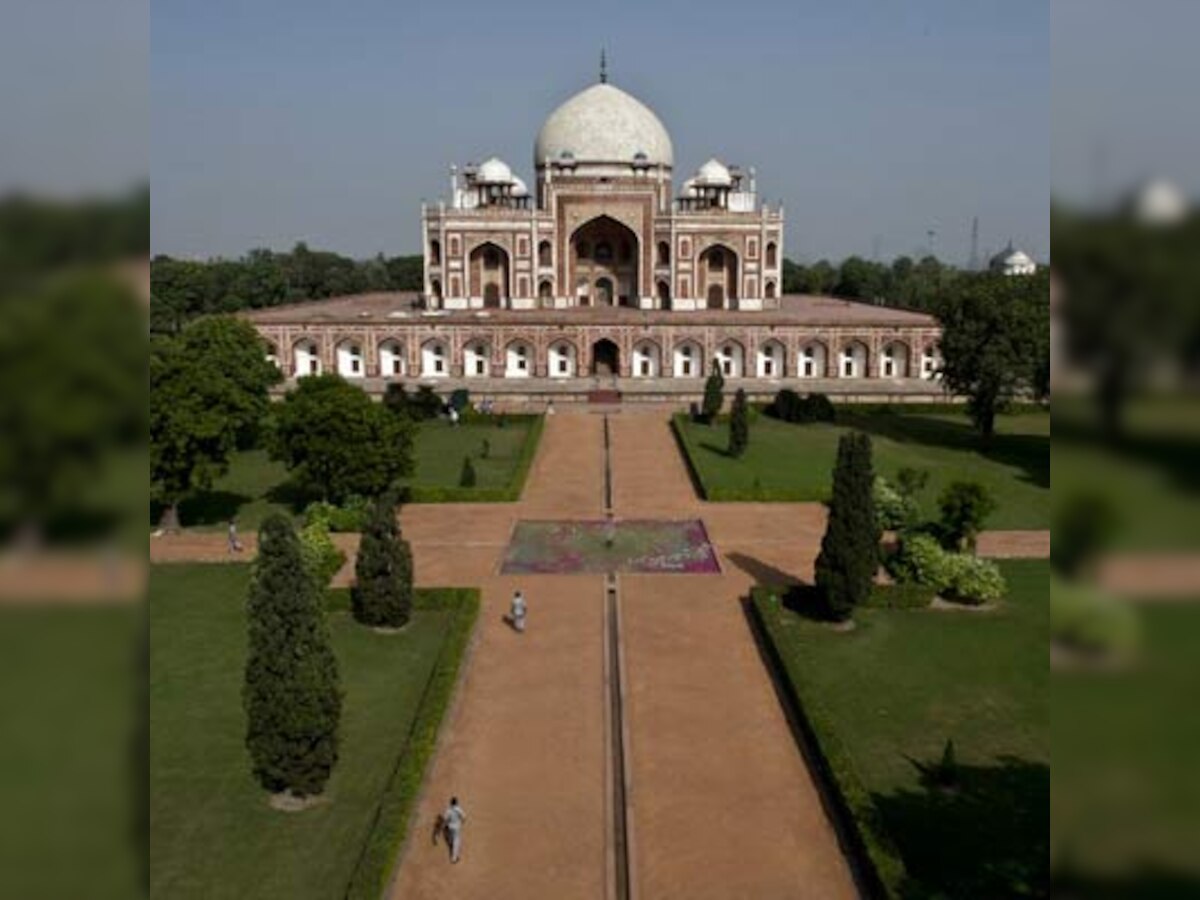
723 804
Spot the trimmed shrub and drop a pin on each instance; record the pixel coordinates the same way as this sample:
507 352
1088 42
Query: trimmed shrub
788 406
714 388
291 693
785 406
382 594
397 400
818 408
849 556
1083 528
974 581
467 479
350 516
900 595
739 425
320 556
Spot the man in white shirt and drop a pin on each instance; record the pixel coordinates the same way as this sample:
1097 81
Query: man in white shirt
452 823
517 612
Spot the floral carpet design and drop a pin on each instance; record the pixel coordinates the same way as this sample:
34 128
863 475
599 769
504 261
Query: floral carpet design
626 545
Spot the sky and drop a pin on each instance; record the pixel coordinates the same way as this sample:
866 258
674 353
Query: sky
872 121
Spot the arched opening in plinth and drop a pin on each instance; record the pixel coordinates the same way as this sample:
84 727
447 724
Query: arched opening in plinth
488 272
606 358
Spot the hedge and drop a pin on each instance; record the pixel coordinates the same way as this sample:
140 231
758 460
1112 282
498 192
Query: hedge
870 842
900 596
390 826
509 493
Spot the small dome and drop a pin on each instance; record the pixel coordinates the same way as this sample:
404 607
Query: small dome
1011 261
494 171
603 124
518 187
1159 202
714 173
688 188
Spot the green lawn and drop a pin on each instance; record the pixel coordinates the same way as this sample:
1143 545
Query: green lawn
795 462
213 832
886 697
256 486
1125 791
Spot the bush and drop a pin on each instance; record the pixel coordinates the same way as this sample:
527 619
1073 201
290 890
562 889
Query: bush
460 399
350 516
974 581
789 406
965 506
397 400
921 560
320 556
849 557
425 404
382 594
714 388
1083 529
894 510
739 425
903 595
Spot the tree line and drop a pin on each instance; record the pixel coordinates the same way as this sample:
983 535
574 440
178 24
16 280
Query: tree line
905 282
182 290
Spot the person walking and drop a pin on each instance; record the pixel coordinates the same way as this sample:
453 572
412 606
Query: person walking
452 824
235 544
517 612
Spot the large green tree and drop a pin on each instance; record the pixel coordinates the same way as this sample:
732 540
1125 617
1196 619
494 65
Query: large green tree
338 442
291 694
208 390
72 392
995 330
849 553
382 594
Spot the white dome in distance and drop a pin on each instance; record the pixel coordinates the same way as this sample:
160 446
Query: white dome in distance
518 187
494 171
603 124
1159 202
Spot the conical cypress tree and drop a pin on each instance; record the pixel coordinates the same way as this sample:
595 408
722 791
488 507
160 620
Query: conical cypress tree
382 594
849 553
467 477
291 694
713 394
739 425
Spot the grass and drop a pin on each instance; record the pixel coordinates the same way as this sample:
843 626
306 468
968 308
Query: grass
213 831
1125 795
795 462
256 486
883 700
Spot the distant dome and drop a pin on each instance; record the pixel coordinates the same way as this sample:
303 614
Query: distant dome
1011 261
688 188
494 171
1159 202
518 187
603 124
714 173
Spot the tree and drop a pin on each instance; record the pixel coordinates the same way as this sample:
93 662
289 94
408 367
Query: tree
72 393
993 328
233 346
291 694
1084 528
965 505
714 389
739 425
467 477
849 554
382 594
338 442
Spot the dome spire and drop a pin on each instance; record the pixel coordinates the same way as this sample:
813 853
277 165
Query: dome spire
603 67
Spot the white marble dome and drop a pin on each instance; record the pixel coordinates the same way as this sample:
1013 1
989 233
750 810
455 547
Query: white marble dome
714 173
518 187
603 124
494 171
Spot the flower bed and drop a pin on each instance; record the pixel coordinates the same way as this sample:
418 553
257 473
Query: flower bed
637 545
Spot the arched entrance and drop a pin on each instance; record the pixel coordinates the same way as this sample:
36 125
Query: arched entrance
606 358
718 277
488 274
716 296
604 263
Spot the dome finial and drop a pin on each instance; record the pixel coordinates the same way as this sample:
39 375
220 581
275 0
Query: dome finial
603 67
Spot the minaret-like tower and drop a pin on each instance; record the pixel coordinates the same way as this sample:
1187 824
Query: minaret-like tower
603 67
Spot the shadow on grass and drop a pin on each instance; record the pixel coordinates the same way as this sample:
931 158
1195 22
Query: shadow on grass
1173 455
1029 453
989 837
719 451
211 507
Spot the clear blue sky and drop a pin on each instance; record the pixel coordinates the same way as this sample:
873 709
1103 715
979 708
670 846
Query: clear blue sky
872 120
